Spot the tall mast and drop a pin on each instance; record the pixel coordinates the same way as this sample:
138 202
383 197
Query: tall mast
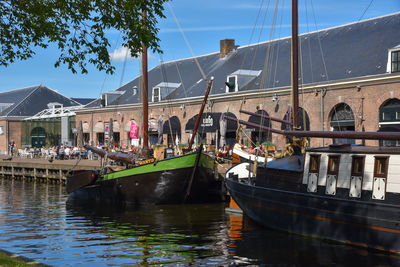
295 65
145 90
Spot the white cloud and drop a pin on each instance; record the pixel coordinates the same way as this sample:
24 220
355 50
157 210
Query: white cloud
120 54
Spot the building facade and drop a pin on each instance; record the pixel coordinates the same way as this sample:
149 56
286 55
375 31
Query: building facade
16 106
350 80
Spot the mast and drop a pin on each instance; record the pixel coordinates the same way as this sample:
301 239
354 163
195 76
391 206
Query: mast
295 65
210 82
145 91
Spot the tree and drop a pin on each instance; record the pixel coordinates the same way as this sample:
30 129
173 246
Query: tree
78 28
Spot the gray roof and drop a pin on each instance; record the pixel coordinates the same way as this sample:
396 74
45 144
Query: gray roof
350 51
27 102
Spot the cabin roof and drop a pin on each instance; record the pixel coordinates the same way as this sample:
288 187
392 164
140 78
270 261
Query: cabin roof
348 149
348 51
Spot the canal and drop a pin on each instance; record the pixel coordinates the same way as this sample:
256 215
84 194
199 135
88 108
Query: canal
37 221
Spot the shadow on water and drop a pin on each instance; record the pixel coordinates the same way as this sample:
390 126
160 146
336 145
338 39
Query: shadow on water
254 244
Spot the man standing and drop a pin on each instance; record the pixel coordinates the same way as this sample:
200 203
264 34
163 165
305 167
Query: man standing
11 147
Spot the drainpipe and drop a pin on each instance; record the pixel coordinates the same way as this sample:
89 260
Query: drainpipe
91 130
7 134
323 93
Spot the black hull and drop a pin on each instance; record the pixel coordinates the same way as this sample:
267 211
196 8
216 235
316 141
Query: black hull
162 187
368 224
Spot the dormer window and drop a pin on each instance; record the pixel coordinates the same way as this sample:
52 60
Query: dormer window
162 90
231 84
393 64
108 97
4 106
239 79
395 61
156 94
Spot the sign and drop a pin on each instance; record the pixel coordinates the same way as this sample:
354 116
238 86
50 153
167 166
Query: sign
1 130
146 161
134 130
106 131
207 121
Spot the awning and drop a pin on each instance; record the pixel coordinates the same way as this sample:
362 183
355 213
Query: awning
175 126
209 122
153 125
85 127
115 126
127 126
98 127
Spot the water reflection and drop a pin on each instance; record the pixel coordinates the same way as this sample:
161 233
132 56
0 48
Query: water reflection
160 234
37 222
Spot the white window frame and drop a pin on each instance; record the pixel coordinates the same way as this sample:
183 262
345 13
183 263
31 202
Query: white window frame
389 62
236 83
159 94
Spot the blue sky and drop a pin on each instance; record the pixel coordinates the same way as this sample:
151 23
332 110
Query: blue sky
205 23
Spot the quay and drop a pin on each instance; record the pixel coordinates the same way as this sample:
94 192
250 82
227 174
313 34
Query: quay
42 170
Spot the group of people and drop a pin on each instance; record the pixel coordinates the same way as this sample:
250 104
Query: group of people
224 152
61 152
257 150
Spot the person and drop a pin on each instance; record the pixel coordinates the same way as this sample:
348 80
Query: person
76 152
61 152
220 153
251 150
11 147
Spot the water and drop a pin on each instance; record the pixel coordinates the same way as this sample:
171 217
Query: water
36 222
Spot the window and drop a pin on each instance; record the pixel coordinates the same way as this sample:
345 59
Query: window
231 84
395 61
381 166
314 163
156 94
333 164
357 166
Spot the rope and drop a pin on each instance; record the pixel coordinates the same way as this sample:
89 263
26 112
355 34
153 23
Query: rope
77 162
187 42
370 3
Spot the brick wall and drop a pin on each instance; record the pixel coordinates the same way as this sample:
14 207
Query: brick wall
364 101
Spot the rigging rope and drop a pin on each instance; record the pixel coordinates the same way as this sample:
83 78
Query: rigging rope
187 42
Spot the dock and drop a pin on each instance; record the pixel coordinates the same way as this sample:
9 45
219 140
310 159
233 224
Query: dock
42 170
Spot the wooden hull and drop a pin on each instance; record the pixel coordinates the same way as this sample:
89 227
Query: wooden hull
171 181
282 202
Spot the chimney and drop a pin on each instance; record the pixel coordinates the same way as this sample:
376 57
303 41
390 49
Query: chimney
226 46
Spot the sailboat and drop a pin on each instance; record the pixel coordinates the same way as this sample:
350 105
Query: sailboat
188 178
342 193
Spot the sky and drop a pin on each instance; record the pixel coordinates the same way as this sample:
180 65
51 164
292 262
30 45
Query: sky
204 23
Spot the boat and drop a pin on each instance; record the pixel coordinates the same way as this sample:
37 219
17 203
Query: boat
342 192
187 178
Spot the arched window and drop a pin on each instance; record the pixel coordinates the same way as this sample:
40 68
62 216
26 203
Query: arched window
342 119
304 120
257 135
389 120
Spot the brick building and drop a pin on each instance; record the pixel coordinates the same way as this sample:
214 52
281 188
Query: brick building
350 80
18 105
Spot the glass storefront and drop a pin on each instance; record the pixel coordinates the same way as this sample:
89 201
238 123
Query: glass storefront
46 132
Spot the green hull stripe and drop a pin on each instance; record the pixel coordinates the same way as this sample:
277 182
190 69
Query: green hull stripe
168 164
